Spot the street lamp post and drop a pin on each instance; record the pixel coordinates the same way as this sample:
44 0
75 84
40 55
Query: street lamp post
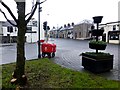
39 10
39 53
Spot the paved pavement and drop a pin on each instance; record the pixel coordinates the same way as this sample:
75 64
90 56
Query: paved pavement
67 55
8 52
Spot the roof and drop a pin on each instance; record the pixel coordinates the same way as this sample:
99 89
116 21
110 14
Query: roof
83 24
55 29
6 23
116 31
110 23
67 28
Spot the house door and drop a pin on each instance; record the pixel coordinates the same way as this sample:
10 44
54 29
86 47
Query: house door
75 35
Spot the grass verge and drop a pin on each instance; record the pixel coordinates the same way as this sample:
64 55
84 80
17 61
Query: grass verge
44 73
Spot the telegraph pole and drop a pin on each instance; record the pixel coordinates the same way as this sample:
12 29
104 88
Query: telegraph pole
39 10
39 53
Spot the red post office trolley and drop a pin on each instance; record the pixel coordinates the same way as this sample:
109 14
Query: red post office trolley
48 49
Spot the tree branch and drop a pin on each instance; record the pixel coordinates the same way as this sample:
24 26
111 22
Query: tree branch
7 18
9 11
41 2
32 13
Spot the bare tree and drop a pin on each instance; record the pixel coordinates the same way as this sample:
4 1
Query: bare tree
21 24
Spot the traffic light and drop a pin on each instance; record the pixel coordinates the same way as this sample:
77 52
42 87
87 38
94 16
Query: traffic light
45 25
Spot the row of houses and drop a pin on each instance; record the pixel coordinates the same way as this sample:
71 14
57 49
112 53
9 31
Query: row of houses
83 31
8 33
72 31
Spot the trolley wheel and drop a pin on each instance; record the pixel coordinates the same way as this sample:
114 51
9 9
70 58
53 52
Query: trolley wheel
43 55
49 55
53 54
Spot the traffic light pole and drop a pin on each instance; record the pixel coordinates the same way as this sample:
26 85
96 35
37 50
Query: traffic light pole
46 34
39 49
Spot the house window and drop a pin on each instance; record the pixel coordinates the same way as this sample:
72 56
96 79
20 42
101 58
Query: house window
34 23
15 29
29 29
10 29
114 27
75 35
69 33
102 28
79 34
114 37
8 35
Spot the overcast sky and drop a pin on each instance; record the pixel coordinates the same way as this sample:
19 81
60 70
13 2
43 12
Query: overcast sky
60 12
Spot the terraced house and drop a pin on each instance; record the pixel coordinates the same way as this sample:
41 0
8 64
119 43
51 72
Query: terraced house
8 32
77 31
82 31
54 33
111 32
66 31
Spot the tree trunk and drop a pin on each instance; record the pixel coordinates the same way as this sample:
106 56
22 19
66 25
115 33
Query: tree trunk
19 73
20 63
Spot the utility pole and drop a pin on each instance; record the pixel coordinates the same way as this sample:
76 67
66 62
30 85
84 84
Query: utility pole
39 53
39 10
